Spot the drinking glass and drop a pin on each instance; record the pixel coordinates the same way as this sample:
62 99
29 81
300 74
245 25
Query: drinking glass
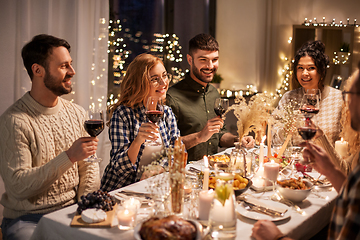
154 112
221 105
94 125
310 103
222 216
306 128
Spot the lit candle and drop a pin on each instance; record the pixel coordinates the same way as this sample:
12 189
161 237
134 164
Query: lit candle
261 153
132 204
126 219
271 170
206 174
269 139
205 200
341 147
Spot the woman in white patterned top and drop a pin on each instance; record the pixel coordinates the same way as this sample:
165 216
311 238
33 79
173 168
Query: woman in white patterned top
309 71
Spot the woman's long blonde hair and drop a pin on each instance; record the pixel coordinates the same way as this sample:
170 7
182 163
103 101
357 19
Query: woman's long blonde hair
135 86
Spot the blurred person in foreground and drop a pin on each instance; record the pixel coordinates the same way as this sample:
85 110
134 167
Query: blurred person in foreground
345 222
43 142
192 101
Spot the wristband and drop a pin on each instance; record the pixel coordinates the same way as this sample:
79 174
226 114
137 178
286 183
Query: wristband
280 237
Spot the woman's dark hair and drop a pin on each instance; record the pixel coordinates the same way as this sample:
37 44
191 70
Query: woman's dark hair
315 50
39 49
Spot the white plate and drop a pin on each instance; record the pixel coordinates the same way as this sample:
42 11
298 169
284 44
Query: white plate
315 175
259 216
197 225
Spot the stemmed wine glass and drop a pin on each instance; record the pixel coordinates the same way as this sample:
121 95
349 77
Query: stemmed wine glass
94 125
310 103
154 112
306 128
220 106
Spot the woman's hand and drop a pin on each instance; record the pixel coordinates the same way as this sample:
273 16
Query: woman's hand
248 142
147 131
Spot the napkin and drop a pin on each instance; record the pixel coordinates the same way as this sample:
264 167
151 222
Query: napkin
258 203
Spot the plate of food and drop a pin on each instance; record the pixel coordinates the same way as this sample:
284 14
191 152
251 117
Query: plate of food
170 227
244 211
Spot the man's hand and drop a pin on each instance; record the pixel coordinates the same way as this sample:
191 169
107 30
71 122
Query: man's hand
212 126
82 148
265 230
248 142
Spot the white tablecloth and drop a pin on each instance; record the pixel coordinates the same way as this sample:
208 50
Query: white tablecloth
317 210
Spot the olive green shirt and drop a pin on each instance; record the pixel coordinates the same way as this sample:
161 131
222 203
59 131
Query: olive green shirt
193 106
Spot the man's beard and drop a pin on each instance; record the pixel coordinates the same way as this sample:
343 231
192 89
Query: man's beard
197 74
57 88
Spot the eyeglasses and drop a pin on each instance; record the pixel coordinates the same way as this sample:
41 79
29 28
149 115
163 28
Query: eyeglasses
156 81
348 92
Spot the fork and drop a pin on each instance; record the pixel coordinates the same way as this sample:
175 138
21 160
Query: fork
277 197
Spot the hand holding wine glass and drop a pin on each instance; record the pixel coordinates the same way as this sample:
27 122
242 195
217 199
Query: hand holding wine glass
154 112
94 125
306 128
221 105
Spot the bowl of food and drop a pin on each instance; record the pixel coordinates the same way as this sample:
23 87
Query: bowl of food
240 184
221 160
295 190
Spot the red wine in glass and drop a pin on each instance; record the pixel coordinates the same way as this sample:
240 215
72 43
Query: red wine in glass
309 112
307 133
220 106
219 111
154 115
94 127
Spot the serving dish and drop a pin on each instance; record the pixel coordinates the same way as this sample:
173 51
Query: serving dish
197 225
294 195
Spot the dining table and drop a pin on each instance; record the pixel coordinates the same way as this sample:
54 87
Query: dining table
314 215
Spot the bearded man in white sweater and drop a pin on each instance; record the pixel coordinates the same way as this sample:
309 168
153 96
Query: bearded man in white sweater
43 142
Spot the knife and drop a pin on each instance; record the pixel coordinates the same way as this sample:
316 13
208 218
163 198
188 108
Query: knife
244 199
132 193
250 207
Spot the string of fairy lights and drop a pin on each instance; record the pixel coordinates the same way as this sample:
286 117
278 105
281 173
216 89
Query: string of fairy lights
167 47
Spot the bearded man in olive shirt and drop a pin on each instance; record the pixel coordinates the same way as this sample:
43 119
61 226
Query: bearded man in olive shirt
192 101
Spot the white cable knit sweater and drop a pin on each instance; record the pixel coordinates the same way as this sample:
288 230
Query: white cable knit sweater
38 175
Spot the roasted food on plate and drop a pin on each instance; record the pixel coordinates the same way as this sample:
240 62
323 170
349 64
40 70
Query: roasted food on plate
224 159
171 227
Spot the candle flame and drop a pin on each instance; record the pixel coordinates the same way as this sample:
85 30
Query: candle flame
206 161
263 139
342 139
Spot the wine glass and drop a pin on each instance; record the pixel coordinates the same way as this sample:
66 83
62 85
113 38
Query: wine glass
154 112
94 125
310 103
306 128
221 105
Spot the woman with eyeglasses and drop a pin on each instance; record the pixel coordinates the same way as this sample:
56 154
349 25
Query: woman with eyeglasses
309 71
129 127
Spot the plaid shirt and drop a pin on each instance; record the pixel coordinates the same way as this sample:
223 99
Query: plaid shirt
345 222
124 127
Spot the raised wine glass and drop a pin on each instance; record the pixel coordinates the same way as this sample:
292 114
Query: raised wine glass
221 105
94 125
310 103
306 128
154 112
